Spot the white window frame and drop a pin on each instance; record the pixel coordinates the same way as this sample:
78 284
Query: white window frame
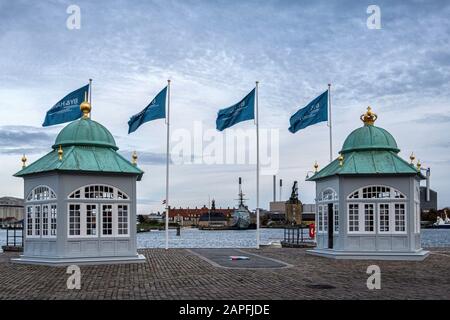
115 197
359 218
52 194
127 217
336 218
68 221
359 193
362 217
389 220
101 220
33 229
84 222
405 218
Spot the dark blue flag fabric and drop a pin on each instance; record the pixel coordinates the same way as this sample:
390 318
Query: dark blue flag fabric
241 111
155 110
67 109
316 111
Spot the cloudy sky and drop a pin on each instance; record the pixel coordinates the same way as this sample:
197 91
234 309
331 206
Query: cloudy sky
214 51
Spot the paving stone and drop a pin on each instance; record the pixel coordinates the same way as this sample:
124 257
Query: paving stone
180 274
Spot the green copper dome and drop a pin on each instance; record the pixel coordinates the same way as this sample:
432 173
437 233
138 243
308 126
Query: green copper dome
369 137
85 132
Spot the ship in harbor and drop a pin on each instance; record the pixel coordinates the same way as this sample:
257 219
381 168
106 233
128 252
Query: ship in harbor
241 217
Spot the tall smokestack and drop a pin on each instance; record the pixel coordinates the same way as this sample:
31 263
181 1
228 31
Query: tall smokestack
274 188
240 184
281 187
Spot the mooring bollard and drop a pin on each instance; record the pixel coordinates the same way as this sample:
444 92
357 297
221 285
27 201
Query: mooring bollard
178 231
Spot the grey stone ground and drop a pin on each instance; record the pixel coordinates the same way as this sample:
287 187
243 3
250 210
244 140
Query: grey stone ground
181 274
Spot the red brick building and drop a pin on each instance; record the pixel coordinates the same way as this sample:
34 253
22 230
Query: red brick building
190 216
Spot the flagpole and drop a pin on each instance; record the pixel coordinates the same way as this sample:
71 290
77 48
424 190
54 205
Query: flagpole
329 117
90 96
167 164
257 166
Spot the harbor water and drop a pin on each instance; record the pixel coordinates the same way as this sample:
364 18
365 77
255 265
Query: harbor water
194 238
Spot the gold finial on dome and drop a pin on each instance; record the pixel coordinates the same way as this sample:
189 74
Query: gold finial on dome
85 107
369 117
134 158
412 157
60 153
24 161
419 165
316 166
341 160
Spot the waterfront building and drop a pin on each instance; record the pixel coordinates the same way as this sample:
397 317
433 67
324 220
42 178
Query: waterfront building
428 204
213 218
368 199
307 210
191 216
11 210
80 199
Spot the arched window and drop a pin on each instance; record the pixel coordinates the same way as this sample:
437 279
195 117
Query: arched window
41 193
41 213
328 195
376 192
99 191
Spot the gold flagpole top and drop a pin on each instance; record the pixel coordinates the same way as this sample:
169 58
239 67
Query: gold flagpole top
60 153
316 166
24 161
134 158
412 157
85 107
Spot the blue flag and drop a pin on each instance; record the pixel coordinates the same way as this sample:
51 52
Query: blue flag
155 110
67 109
316 111
241 111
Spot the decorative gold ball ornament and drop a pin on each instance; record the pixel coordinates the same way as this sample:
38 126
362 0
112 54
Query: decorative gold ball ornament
24 161
412 157
60 153
341 160
134 158
316 166
369 117
85 107
419 165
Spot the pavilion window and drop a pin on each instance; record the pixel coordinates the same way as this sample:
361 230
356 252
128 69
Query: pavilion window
384 217
400 225
122 219
53 215
45 217
325 218
353 217
29 221
74 220
91 220
107 220
369 220
37 220
320 218
336 217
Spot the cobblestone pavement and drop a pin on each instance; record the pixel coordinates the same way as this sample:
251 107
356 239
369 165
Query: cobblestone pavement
179 274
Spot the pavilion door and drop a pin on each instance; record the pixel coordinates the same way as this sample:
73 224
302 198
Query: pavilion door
330 225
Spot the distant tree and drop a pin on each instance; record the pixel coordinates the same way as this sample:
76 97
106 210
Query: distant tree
141 218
